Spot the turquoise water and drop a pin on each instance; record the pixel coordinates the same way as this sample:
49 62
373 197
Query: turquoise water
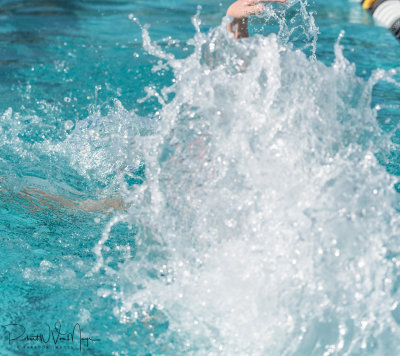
258 178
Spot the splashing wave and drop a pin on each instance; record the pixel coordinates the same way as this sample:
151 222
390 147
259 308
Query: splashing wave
265 223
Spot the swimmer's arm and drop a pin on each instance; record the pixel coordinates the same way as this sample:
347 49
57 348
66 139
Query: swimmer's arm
245 8
240 11
89 205
101 205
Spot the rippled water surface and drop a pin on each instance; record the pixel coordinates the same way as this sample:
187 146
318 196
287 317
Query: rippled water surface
175 192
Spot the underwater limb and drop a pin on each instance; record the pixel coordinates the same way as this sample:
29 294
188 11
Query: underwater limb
41 200
101 205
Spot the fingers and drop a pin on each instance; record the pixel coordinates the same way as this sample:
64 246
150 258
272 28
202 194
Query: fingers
246 8
253 2
254 10
241 10
230 27
255 7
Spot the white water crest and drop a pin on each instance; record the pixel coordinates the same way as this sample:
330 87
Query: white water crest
265 224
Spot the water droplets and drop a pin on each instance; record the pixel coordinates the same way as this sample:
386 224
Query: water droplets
68 125
258 212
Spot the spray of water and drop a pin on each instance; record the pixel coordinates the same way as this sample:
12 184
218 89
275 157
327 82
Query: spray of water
265 225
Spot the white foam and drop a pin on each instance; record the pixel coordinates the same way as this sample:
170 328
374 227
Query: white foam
265 220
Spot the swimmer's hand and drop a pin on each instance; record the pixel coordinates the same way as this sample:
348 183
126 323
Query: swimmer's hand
246 8
240 11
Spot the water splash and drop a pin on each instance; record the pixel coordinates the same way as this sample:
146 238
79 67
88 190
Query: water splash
265 223
296 25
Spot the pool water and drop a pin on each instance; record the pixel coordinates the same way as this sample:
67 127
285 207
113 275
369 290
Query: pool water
255 180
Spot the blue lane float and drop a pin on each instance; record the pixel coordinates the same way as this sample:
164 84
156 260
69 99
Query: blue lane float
386 13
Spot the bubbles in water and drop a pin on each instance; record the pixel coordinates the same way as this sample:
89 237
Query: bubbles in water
68 125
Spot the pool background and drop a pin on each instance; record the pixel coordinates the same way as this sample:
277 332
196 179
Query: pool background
64 65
